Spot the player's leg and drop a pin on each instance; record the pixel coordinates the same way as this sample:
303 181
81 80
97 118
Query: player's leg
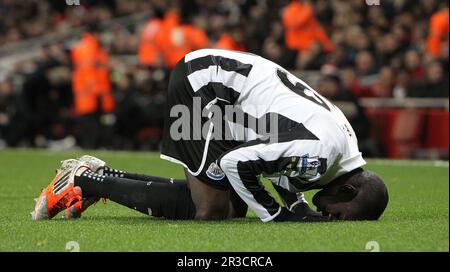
238 207
163 198
210 203
112 172
98 166
213 203
159 199
158 196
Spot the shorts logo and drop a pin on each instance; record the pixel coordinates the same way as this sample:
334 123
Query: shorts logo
214 172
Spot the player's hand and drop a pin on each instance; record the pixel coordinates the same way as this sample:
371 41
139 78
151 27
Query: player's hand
288 216
303 209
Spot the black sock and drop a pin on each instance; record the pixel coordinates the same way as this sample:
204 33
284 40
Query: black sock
111 172
169 200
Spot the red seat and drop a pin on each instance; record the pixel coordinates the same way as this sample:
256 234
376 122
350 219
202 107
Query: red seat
406 133
437 129
399 130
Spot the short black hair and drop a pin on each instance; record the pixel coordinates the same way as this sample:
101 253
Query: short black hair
372 196
356 195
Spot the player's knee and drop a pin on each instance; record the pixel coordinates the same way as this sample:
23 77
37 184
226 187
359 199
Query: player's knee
211 213
238 208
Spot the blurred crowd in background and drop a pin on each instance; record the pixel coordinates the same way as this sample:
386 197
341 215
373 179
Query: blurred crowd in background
106 88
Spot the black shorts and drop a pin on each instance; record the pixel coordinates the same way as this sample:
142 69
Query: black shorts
197 154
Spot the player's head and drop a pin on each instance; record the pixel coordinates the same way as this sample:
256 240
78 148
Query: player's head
358 195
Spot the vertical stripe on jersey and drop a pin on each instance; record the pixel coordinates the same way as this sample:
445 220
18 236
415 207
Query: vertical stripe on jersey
219 71
227 64
232 80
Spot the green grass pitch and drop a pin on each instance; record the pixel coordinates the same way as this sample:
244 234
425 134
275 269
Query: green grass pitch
416 218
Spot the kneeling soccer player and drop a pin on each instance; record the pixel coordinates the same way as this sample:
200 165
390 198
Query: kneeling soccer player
232 118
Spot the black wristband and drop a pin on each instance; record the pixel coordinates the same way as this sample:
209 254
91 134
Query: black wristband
285 215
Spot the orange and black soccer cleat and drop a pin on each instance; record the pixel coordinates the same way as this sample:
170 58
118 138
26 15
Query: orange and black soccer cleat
96 165
75 210
61 193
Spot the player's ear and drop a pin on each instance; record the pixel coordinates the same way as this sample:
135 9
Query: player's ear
347 192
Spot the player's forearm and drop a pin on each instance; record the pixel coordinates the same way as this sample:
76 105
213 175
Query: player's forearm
301 213
290 199
243 178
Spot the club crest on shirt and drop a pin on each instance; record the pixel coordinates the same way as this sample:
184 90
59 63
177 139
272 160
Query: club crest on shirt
214 172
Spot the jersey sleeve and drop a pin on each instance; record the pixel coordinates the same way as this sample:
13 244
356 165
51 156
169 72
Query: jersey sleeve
289 197
296 159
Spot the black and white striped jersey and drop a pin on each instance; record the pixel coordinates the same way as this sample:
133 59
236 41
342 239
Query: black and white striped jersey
310 144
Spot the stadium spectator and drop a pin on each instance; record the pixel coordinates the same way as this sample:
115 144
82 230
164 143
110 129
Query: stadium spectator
385 82
179 37
304 33
438 32
351 82
120 41
388 50
149 51
381 50
45 95
231 40
91 88
435 83
14 115
276 52
28 19
413 65
129 112
302 28
274 48
402 84
365 64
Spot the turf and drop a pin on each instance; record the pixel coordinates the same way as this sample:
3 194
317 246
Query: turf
416 219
